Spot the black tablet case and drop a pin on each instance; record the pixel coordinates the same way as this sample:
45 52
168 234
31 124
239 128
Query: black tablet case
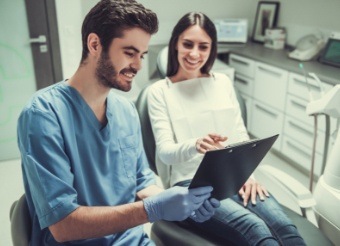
226 170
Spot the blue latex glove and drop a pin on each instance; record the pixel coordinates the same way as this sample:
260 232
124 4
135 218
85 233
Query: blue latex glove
176 203
206 211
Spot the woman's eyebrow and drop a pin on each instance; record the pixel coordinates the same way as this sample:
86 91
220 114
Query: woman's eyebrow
188 40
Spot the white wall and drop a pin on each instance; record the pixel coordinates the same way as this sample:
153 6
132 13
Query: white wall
169 12
300 17
17 79
70 18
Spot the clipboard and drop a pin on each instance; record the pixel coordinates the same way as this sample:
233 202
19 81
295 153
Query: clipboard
226 170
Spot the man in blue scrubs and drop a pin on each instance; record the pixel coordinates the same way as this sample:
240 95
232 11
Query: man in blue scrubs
86 177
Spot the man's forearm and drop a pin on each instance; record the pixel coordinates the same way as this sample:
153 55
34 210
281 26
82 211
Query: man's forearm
93 222
149 191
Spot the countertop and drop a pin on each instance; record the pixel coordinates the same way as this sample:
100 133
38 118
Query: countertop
279 58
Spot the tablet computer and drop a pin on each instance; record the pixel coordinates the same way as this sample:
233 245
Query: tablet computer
226 170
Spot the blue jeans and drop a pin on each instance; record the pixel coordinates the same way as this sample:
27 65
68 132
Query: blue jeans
262 224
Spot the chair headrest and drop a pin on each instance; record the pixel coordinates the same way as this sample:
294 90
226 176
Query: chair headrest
147 134
162 62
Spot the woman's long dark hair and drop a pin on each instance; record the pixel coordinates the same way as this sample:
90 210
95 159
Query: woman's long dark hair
188 20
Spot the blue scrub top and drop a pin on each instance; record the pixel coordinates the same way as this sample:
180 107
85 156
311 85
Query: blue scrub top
70 159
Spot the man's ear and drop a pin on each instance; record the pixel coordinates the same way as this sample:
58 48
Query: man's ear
93 44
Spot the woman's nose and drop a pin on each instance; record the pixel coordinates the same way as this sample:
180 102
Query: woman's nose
194 52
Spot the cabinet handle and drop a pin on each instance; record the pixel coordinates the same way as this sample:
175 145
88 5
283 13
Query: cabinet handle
270 71
298 149
300 128
266 111
299 105
239 61
304 84
242 81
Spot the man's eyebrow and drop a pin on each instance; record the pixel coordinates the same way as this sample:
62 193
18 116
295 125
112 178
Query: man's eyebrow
134 49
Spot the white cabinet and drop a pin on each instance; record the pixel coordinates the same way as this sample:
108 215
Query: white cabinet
244 74
296 107
256 82
248 101
297 85
244 81
266 121
271 85
244 84
301 155
222 67
299 127
303 133
299 94
242 65
278 100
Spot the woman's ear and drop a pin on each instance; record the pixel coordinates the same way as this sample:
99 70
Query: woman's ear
93 44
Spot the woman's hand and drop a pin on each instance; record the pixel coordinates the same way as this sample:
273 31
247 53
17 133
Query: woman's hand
210 142
249 191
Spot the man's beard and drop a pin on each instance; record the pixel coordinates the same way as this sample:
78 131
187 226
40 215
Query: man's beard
107 74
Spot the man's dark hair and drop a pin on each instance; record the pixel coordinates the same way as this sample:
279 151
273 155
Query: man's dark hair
188 20
109 18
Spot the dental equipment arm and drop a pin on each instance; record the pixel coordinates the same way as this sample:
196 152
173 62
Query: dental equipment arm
329 104
327 190
300 193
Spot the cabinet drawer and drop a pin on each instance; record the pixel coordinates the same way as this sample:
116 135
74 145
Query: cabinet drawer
297 86
266 121
244 84
270 85
248 101
304 134
301 155
242 65
221 67
296 107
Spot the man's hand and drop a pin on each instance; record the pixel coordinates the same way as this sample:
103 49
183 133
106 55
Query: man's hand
206 211
176 203
250 189
210 142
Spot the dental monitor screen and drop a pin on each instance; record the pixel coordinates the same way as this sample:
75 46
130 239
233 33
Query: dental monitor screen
331 54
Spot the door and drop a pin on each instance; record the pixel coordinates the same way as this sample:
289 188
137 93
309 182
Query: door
43 29
24 70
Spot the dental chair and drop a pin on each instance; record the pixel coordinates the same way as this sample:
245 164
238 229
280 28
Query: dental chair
175 233
21 224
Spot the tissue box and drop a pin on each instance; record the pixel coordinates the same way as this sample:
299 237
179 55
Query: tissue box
275 38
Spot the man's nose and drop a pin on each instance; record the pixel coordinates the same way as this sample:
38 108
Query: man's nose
137 64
